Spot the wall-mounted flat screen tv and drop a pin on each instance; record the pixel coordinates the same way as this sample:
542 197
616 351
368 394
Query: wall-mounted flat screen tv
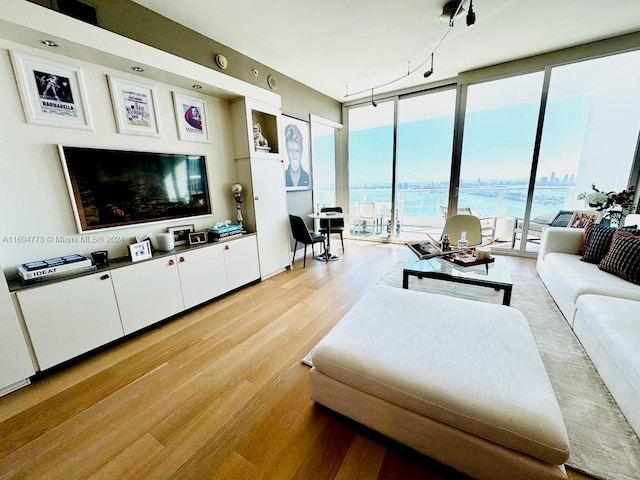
116 188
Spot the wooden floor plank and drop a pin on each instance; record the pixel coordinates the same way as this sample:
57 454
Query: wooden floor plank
218 392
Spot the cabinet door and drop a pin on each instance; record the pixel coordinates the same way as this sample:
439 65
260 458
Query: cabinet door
69 318
202 274
147 292
241 261
15 361
272 218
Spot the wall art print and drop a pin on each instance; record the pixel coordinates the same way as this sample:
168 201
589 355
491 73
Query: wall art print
135 107
191 118
298 157
53 94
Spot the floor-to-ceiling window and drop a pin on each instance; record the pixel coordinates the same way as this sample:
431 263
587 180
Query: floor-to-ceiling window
370 150
528 143
590 133
500 125
323 158
423 170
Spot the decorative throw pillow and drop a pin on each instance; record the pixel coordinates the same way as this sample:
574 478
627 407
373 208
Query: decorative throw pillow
585 238
599 241
623 257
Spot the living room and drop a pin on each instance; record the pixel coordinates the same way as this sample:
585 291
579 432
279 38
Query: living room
244 384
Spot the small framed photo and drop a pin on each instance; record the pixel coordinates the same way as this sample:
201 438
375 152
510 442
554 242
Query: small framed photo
196 238
53 94
181 234
191 117
140 251
582 218
135 106
145 236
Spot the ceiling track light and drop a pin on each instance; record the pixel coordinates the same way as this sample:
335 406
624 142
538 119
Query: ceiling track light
428 73
471 15
373 102
452 11
49 43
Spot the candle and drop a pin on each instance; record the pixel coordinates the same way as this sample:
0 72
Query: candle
483 253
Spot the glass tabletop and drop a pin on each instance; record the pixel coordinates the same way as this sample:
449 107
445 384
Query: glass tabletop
496 271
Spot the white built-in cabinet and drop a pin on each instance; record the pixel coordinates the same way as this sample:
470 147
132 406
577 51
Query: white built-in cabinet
261 172
71 317
15 361
147 292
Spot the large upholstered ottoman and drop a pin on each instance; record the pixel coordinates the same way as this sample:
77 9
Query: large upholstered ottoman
458 380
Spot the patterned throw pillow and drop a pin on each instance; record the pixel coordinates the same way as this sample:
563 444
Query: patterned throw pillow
623 257
599 241
585 238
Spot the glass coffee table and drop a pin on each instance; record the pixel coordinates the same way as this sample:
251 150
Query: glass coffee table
493 275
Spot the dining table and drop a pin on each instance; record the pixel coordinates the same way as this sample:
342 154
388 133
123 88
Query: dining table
327 256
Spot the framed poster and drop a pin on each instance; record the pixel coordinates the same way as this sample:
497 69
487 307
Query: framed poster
135 107
191 118
53 94
298 158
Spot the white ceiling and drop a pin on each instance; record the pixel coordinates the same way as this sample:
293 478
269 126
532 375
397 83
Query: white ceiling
341 47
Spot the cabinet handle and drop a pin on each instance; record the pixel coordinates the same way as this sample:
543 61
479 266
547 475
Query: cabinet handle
181 259
104 277
226 247
256 198
171 262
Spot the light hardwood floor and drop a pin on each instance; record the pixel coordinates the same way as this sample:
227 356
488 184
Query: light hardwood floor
216 393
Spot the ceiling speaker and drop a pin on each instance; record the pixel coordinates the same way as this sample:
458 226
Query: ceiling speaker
271 81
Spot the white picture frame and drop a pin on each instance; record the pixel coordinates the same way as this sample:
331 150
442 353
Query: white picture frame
191 118
297 150
181 234
53 94
135 107
140 251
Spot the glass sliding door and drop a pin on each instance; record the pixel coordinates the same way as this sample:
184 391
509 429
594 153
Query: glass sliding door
370 150
501 119
425 140
590 133
323 158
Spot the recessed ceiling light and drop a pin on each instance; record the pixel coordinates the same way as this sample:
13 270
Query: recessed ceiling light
196 86
137 69
49 43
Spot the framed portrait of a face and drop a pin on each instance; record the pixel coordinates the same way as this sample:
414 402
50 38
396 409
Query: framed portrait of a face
297 158
53 94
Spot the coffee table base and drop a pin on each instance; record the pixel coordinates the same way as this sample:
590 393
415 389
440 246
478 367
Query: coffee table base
506 299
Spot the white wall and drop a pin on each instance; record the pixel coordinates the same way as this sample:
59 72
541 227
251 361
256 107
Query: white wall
33 196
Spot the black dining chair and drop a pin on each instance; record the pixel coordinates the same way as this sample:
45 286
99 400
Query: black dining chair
301 234
337 224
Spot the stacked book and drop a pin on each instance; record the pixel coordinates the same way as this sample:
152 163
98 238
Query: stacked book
43 270
223 231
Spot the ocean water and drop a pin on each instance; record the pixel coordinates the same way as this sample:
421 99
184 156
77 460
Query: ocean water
483 202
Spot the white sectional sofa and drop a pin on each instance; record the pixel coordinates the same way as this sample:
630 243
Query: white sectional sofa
603 310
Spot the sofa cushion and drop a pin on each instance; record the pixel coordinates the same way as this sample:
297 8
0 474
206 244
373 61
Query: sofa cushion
623 257
576 278
609 330
599 241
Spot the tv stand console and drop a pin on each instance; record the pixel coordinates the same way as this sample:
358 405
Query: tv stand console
69 317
